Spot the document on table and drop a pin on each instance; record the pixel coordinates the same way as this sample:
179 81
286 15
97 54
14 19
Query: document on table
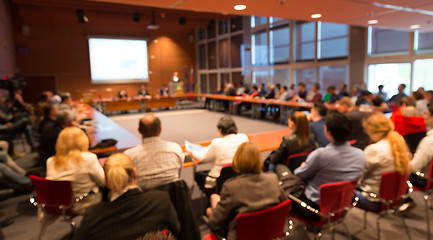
198 150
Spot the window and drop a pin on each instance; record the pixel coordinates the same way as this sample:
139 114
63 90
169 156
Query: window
259 48
304 40
422 74
390 75
236 24
274 20
211 29
280 76
212 61
423 41
257 21
332 76
223 27
237 49
202 56
332 40
260 77
279 40
201 34
203 83
387 41
306 76
223 53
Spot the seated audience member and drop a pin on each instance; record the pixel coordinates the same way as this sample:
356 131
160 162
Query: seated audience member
51 131
13 124
122 93
332 95
429 96
219 152
317 123
164 92
19 102
158 162
421 102
66 103
50 111
252 190
240 89
254 92
129 212
424 153
262 90
388 153
343 91
301 140
277 90
407 119
73 162
283 94
229 90
317 97
355 95
395 99
292 92
338 161
302 92
381 94
355 116
143 92
367 98
271 93
12 176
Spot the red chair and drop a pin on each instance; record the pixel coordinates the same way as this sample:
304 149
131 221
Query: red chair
261 225
295 160
335 202
54 198
428 189
394 189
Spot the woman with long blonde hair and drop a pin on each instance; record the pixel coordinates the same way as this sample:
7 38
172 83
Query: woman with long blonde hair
129 212
73 162
301 140
388 153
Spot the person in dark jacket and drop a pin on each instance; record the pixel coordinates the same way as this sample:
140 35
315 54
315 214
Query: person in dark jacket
129 212
300 141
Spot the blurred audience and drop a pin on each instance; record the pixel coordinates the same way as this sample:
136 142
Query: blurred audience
317 123
407 119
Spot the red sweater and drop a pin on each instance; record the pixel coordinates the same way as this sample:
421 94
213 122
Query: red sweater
407 124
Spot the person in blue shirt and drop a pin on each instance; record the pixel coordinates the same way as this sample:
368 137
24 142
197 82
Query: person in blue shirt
317 123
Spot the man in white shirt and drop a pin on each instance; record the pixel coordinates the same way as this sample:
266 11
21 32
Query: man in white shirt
424 152
221 151
157 161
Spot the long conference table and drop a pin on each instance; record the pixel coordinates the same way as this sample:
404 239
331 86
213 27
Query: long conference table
103 128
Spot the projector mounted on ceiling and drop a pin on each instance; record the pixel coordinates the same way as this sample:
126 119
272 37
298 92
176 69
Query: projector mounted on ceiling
153 25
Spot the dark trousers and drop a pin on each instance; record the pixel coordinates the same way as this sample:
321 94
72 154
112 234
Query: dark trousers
200 179
304 213
418 181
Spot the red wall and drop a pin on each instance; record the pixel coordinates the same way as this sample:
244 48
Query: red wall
56 45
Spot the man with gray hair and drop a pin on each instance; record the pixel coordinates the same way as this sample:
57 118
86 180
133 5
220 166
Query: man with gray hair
50 132
157 162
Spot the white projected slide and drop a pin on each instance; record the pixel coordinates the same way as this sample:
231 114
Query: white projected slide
118 60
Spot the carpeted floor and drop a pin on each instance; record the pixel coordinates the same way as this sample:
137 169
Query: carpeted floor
195 126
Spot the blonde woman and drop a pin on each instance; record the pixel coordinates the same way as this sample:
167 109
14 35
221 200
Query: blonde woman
252 190
388 153
128 213
301 140
73 162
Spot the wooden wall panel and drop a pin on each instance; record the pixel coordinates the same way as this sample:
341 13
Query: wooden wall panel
7 48
57 45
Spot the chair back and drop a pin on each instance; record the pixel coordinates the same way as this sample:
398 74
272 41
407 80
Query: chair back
430 176
226 173
335 197
413 139
295 160
53 195
265 224
392 187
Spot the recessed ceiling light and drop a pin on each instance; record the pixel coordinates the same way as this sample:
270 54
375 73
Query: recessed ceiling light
316 15
415 26
240 7
373 21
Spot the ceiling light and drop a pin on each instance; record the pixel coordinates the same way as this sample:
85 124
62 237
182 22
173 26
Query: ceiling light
415 26
316 15
240 7
374 21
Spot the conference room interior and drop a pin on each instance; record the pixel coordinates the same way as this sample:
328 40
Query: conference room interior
47 43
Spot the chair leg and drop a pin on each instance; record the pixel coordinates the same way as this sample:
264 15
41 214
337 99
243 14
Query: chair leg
42 230
365 224
405 226
347 231
426 198
378 226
